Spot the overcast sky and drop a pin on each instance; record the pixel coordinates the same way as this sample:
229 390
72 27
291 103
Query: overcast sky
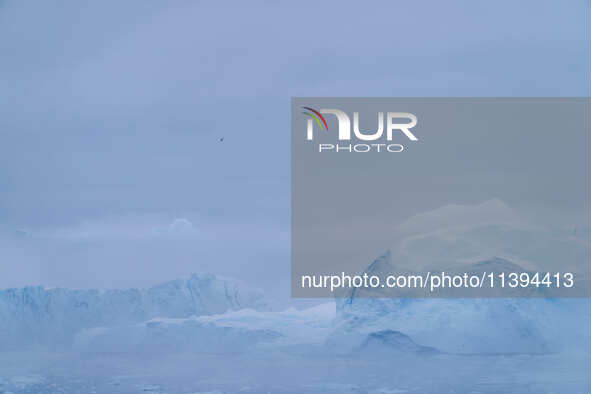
111 115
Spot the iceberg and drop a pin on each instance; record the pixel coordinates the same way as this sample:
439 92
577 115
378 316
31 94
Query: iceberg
389 341
228 332
41 316
485 238
452 325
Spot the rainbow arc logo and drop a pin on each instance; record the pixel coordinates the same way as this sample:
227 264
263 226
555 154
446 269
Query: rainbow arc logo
317 116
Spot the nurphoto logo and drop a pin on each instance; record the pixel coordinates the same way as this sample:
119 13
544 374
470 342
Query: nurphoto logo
316 117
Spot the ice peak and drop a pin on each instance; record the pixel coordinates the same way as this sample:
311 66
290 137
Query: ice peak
493 211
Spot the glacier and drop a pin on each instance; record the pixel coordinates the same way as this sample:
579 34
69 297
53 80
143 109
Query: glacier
49 316
207 333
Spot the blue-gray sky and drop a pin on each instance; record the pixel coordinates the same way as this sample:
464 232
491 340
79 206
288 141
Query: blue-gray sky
110 115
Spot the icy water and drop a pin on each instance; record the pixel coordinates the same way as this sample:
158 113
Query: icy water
284 373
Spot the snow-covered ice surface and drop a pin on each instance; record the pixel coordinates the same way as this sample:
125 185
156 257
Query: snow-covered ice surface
206 334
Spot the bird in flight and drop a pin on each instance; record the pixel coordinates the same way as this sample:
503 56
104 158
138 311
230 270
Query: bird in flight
222 139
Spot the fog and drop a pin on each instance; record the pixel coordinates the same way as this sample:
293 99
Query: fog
111 116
